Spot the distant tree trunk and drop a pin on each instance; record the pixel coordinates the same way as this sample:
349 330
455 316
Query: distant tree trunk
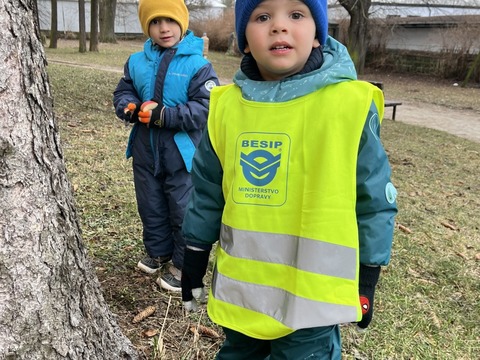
107 12
37 21
232 49
94 25
357 42
51 303
53 25
475 66
82 36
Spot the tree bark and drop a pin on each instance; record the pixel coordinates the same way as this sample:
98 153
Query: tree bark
82 36
93 25
471 70
53 25
51 304
107 12
357 41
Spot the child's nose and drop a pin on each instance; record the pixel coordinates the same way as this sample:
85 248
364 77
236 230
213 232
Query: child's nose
278 27
163 25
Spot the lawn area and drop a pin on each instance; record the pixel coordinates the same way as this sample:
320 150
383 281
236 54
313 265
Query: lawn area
427 301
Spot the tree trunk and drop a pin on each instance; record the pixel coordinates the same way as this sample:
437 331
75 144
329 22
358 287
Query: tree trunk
37 21
94 25
53 25
51 304
232 45
471 70
82 36
107 12
357 42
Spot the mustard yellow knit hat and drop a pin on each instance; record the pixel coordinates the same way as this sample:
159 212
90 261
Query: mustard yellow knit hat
151 9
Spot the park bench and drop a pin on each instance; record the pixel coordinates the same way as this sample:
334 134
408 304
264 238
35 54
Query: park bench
388 103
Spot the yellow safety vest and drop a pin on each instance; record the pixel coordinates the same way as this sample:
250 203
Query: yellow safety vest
288 250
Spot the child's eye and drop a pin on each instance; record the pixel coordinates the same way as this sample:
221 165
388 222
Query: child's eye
154 22
262 18
297 15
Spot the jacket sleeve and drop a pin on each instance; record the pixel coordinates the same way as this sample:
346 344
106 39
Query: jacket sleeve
124 93
193 114
203 216
376 196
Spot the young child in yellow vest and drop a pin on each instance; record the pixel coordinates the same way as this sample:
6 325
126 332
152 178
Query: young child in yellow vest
292 180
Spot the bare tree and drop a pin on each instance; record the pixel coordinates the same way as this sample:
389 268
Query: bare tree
51 304
475 65
53 25
94 25
82 36
357 39
107 21
37 19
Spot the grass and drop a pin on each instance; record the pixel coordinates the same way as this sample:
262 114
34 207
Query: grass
427 302
114 56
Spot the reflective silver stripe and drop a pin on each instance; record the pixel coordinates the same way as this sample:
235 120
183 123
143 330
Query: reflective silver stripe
304 254
290 310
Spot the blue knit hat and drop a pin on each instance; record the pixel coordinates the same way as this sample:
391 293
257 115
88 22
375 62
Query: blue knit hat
244 8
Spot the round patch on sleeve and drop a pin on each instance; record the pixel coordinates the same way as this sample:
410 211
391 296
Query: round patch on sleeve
209 85
390 193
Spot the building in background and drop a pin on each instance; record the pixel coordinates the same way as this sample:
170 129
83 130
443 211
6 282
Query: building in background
410 8
126 21
417 25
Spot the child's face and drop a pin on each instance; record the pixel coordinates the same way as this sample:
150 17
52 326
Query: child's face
280 36
165 32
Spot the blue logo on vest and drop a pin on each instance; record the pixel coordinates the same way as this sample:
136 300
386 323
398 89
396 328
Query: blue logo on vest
259 167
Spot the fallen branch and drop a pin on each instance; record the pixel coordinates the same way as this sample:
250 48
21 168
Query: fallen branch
449 226
404 229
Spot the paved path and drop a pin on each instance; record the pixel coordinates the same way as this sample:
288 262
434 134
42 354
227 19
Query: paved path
463 123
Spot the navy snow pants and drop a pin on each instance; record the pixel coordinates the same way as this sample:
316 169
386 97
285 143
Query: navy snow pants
162 189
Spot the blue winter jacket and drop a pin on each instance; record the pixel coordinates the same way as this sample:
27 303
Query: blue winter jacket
180 78
376 197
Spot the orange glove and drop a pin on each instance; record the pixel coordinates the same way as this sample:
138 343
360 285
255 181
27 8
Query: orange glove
131 113
151 114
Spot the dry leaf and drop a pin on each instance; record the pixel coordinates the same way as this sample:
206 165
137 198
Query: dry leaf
144 314
435 320
150 332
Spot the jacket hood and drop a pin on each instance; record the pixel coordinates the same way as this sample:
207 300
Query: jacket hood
337 66
189 45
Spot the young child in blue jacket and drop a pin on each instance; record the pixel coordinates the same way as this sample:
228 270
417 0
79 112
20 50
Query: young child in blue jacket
292 180
164 92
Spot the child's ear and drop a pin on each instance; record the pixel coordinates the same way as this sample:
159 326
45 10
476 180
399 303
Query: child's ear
316 43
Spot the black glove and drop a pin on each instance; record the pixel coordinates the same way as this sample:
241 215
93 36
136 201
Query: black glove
194 269
368 279
151 114
131 112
